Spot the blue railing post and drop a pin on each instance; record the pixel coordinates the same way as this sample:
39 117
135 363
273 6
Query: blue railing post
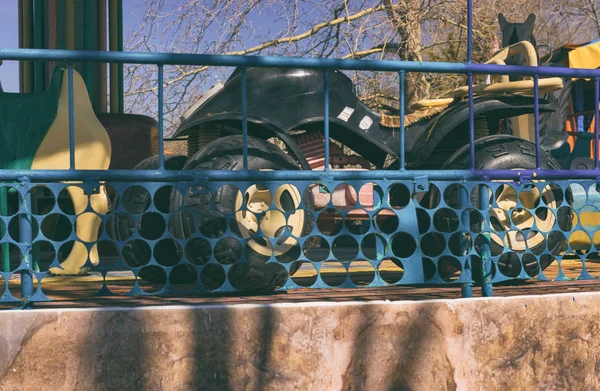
486 252
71 119
245 116
326 116
161 149
402 167
536 120
596 119
25 238
466 287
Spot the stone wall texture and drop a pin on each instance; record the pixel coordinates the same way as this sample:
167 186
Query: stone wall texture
536 342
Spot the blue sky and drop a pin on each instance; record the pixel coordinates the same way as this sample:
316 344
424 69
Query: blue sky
9 36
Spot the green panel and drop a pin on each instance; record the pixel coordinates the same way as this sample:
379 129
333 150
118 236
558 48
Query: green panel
26 118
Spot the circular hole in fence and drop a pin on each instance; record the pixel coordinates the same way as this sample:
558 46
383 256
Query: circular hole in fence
361 272
15 281
167 252
344 197
571 266
182 225
433 244
333 273
316 248
590 218
445 220
287 198
403 245
11 256
330 222
506 197
529 195
65 249
494 242
522 218
273 224
479 202
370 196
429 268
12 200
552 195
258 198
391 270
212 224
373 246
43 200
530 264
306 274
198 199
518 241
151 279
152 225
183 277
29 223
544 219
509 264
449 268
136 199
456 196
499 220
358 222
136 253
119 282
272 272
428 198
345 248
592 264
580 241
120 226
460 243
65 204
549 266
57 227
163 196
387 221
228 251
557 243
109 253
398 195
259 249
198 251
287 250
44 254
423 220
472 220
227 192
576 196
316 197
567 218
212 276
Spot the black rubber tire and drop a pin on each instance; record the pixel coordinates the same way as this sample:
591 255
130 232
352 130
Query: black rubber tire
136 253
253 275
508 152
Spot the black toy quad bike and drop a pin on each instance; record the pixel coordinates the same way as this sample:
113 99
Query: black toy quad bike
287 104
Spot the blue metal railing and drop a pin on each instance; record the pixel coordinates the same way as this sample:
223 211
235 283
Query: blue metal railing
422 245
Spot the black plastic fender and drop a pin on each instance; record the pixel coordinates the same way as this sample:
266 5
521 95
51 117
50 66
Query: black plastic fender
282 100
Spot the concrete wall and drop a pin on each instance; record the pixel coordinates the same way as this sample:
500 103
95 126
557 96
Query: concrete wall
535 342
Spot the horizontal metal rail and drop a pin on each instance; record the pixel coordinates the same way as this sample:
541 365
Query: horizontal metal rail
289 62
